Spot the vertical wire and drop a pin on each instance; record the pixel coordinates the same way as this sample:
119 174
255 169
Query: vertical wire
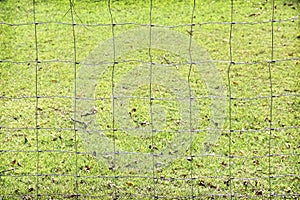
230 98
190 95
75 94
271 98
151 98
37 99
113 88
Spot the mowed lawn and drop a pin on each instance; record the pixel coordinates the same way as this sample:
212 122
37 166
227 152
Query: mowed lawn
254 45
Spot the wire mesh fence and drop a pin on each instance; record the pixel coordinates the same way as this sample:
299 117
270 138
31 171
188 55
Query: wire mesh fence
149 99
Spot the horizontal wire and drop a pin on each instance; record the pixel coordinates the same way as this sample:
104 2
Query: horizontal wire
153 63
292 19
195 98
200 156
162 178
156 130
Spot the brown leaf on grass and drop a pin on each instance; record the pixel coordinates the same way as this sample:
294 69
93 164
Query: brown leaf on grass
227 182
190 158
256 162
224 164
153 147
53 180
87 168
254 14
25 140
129 183
210 185
13 162
201 183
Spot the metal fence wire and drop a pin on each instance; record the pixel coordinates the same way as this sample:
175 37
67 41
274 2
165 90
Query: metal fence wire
149 99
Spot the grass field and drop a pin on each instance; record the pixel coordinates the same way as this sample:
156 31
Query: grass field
256 154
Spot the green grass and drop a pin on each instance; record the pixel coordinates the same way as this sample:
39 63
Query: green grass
41 162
